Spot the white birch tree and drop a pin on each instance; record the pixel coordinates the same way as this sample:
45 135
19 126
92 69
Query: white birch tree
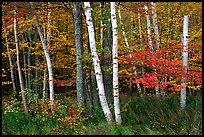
127 45
18 63
46 52
118 119
150 42
96 62
154 17
185 62
148 28
10 64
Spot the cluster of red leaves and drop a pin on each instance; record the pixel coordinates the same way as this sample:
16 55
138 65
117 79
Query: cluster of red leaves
71 111
165 62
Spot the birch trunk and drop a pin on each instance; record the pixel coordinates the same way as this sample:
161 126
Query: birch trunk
18 63
96 61
28 58
185 62
45 68
101 30
80 80
150 43
148 29
11 66
156 30
49 64
115 64
36 65
24 64
127 45
140 27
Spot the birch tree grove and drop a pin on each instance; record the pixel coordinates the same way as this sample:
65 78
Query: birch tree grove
96 62
46 52
185 62
18 63
115 64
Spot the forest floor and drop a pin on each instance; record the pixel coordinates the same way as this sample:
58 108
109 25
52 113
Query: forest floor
140 116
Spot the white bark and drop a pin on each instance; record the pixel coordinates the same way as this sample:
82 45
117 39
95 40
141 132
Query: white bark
45 68
185 62
97 68
123 29
49 22
127 45
11 65
115 64
101 30
140 27
156 30
148 28
18 63
49 64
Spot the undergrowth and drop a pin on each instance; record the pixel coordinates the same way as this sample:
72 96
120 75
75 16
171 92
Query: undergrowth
147 116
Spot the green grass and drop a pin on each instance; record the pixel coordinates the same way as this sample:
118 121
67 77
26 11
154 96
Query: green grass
147 116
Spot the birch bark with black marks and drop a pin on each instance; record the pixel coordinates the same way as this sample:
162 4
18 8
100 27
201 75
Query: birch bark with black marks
49 64
184 62
80 79
18 64
96 63
118 119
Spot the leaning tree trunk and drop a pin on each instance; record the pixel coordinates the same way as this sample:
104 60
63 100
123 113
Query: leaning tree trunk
185 62
18 63
127 45
11 66
115 64
80 80
96 62
49 64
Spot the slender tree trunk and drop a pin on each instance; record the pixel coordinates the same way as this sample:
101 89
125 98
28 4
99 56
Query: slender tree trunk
150 43
28 57
18 63
106 45
140 27
127 45
80 80
148 29
24 64
96 62
36 66
11 67
156 30
115 64
185 62
101 30
49 64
